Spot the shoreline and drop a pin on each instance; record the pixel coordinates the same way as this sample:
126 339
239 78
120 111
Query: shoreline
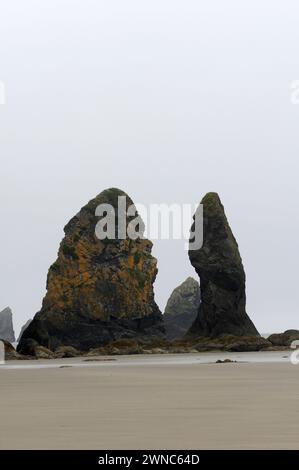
168 359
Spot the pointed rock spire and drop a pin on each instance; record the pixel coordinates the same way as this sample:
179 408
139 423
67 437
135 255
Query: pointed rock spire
222 278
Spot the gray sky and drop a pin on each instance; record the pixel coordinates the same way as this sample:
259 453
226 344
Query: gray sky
166 99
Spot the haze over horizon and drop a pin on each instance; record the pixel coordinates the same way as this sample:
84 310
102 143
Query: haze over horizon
166 100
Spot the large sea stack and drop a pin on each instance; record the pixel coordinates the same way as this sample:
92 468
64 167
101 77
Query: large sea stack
97 290
181 309
222 278
6 325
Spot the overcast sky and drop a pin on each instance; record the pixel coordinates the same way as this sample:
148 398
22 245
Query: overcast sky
166 99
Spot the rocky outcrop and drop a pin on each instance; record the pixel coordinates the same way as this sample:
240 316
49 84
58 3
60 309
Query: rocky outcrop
24 328
186 345
36 351
9 352
6 325
222 279
181 308
97 290
66 351
284 339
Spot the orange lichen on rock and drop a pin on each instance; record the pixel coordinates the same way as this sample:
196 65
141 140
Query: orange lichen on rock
97 290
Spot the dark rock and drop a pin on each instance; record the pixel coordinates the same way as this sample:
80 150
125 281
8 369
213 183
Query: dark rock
96 359
188 345
284 339
97 290
181 309
28 346
224 361
222 279
231 343
41 352
66 351
24 328
10 352
6 326
123 346
101 351
246 344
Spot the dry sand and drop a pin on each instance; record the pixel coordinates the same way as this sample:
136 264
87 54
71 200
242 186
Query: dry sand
147 402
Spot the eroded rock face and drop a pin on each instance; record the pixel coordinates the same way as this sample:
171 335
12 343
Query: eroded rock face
222 278
6 325
181 308
97 290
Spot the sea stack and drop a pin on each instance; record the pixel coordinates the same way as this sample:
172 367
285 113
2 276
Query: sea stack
222 278
6 325
97 290
181 309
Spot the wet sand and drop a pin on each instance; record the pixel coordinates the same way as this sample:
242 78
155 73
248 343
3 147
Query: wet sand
151 402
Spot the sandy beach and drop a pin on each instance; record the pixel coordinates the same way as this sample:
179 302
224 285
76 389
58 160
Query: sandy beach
151 402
